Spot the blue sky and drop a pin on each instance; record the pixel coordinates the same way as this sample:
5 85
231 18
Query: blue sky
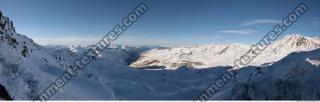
168 22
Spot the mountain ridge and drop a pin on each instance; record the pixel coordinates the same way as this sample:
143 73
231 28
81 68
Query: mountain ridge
224 53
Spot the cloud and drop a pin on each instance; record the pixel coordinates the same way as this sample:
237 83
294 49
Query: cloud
241 32
261 21
66 41
125 40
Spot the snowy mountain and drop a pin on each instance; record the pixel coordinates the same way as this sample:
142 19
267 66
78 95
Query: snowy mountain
222 55
289 70
26 68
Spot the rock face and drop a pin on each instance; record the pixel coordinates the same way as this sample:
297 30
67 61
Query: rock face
4 94
18 64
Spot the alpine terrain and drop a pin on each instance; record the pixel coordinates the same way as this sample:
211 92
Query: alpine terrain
287 69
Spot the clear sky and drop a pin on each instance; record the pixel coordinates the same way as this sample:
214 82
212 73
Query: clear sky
166 22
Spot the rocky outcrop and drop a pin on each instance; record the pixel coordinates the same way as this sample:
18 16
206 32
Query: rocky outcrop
4 94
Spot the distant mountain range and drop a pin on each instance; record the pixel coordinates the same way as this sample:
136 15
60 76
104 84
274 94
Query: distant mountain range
223 55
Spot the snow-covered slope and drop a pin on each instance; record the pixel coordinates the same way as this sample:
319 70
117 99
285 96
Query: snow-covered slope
222 55
292 77
111 70
26 69
295 77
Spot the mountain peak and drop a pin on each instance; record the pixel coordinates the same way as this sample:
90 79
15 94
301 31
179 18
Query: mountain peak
5 23
294 37
298 37
297 40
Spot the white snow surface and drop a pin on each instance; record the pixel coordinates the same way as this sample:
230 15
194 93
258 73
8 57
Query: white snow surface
295 77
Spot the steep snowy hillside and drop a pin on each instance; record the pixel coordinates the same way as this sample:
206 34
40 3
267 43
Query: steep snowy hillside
288 44
26 69
295 77
222 55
